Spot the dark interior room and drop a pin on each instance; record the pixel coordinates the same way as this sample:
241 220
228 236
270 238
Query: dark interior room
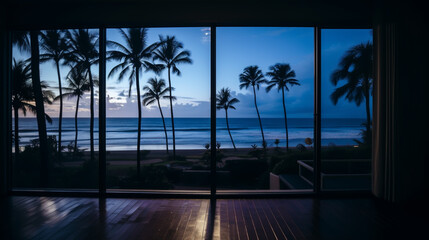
205 119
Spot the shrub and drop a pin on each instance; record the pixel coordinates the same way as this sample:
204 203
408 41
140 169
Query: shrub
246 170
300 147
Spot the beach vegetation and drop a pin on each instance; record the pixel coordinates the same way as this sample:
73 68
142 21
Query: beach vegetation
54 48
356 69
133 58
39 99
300 147
82 54
282 77
77 85
225 101
153 93
23 96
277 142
207 146
21 40
253 77
170 55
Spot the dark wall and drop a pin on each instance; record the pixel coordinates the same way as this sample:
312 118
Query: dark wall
413 130
26 14
4 108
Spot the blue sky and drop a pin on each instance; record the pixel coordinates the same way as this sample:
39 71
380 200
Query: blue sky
237 48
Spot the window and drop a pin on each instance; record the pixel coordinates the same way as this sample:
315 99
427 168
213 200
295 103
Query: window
346 109
67 57
169 158
265 82
265 105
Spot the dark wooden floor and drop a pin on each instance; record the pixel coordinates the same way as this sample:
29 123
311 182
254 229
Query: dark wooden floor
87 218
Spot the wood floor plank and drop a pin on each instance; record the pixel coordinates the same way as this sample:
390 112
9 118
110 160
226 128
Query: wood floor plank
232 221
296 218
224 220
248 220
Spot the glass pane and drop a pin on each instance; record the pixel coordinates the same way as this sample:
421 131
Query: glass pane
346 109
68 76
149 60
265 79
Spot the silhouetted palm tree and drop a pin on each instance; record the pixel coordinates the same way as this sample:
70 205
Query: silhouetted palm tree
154 92
83 53
78 84
170 55
40 108
281 76
133 58
252 76
23 96
224 101
21 40
356 66
55 48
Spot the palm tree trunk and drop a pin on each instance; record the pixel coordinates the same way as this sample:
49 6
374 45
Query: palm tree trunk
40 109
91 121
284 110
75 124
172 116
15 112
163 123
259 117
60 120
139 121
227 126
368 112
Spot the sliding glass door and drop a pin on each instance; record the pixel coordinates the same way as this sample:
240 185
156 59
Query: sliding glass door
158 108
157 85
265 108
346 109
55 76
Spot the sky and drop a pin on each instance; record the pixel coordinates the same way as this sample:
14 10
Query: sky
237 48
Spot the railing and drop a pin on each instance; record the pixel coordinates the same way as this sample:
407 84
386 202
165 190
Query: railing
339 174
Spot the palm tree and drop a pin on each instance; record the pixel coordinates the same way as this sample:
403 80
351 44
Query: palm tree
21 40
170 55
40 108
281 76
356 66
83 53
55 48
78 84
154 92
252 76
23 96
133 57
224 101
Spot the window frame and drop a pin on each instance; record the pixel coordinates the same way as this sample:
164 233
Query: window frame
212 193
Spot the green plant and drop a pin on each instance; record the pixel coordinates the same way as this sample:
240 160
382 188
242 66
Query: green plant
277 142
300 147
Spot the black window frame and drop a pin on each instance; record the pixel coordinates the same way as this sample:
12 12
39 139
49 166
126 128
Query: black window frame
212 193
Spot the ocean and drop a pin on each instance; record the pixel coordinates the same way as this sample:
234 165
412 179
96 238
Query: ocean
194 133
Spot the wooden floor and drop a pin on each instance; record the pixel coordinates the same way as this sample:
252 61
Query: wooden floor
308 218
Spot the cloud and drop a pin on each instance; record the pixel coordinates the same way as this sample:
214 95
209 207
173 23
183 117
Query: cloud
206 34
185 97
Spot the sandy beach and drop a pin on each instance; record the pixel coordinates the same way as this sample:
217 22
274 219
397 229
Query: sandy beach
127 157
